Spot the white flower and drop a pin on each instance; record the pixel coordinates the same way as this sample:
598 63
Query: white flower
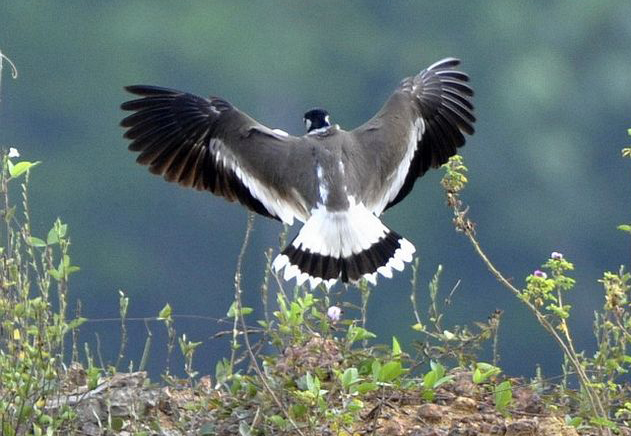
334 313
13 152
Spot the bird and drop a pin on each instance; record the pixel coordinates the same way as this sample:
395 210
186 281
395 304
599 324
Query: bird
336 182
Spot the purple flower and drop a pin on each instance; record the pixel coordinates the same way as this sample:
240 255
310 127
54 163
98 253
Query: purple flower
556 255
334 313
539 273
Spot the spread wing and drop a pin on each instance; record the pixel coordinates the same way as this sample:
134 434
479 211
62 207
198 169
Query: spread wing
208 144
420 126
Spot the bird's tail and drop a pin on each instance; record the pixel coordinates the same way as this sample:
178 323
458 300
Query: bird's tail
346 245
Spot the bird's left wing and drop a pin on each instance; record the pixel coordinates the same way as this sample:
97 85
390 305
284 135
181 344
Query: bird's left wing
208 144
420 126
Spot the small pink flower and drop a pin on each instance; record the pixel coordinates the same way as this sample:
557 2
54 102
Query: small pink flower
539 273
556 255
334 313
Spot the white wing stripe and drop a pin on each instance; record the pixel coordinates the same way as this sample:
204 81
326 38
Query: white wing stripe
395 180
268 196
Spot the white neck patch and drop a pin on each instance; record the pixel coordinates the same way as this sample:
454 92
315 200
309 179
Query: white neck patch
318 131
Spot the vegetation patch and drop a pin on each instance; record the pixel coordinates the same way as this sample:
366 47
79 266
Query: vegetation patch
310 366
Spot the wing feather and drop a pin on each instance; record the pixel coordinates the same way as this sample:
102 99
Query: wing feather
208 144
422 124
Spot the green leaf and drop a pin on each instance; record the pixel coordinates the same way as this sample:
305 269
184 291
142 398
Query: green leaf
20 168
299 410
625 228
7 428
483 371
390 371
443 380
232 311
55 274
53 237
428 395
478 376
355 405
36 242
437 368
350 377
362 388
76 323
165 313
93 374
313 384
575 422
10 213
62 228
376 369
396 348
277 420
603 422
117 423
429 379
355 334
503 396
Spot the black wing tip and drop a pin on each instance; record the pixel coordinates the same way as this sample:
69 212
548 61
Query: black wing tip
146 93
457 93
149 90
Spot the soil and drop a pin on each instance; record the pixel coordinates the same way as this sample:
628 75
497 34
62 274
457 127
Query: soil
128 404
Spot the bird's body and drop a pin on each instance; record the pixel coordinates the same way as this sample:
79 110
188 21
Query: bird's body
335 181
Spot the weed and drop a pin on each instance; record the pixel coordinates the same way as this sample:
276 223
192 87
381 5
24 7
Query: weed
602 397
34 277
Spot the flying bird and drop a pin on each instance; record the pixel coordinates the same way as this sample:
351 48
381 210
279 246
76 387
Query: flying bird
336 182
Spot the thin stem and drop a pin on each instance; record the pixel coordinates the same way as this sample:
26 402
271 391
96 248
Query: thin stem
238 292
145 351
14 70
463 224
414 287
496 355
265 285
75 335
5 193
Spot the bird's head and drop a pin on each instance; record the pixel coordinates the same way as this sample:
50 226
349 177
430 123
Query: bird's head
317 120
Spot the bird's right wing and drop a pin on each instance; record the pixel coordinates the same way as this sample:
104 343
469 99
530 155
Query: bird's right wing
208 144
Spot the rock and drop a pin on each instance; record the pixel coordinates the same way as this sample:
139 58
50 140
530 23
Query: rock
429 432
523 427
122 396
461 429
430 412
463 383
527 400
465 404
554 426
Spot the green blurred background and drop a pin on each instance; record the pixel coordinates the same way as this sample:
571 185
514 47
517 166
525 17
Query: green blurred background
552 81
